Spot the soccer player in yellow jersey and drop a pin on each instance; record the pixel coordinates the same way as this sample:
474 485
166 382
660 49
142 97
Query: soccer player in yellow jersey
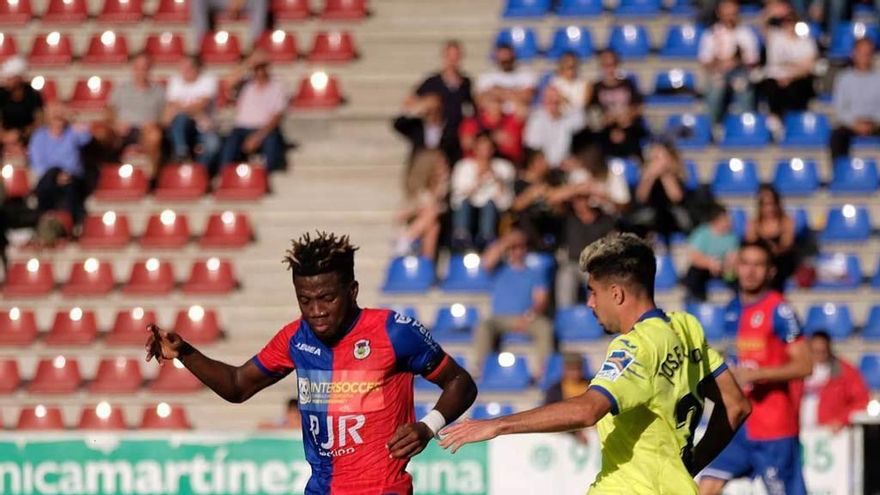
657 373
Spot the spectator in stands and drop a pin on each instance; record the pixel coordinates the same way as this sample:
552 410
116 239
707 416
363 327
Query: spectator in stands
856 100
660 195
590 176
515 86
712 252
550 127
259 108
291 420
834 391
519 298
203 13
505 127
571 86
426 127
135 110
21 105
452 84
481 188
573 383
620 104
728 51
775 227
531 210
189 112
427 194
791 54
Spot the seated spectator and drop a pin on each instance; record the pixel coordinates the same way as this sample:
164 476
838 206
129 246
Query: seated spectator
571 86
583 224
620 104
728 50
712 251
590 176
291 420
515 86
427 193
203 13
660 194
788 74
506 128
775 227
519 299
481 189
425 126
834 391
54 156
856 100
551 127
572 384
452 84
530 208
189 112
259 108
21 105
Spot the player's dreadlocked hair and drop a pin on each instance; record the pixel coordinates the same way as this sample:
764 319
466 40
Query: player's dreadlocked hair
325 253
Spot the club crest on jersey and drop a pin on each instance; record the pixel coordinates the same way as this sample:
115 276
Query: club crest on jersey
757 319
305 392
615 364
362 349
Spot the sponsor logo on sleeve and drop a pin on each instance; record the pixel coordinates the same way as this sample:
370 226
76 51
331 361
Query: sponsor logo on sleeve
615 364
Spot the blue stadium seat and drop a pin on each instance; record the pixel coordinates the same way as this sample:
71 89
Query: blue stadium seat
875 280
835 319
579 8
627 168
844 36
850 266
522 39
491 410
455 323
735 177
870 368
576 324
411 274
740 219
854 176
796 177
711 317
637 8
871 330
746 130
685 8
544 263
573 39
682 41
692 177
860 143
690 131
553 371
465 274
630 41
801 219
666 277
526 8
505 372
805 130
667 82
847 223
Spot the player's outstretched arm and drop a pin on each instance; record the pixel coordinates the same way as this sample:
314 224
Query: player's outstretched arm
731 408
233 383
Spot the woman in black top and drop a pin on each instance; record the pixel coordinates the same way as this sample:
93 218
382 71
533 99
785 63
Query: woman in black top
660 194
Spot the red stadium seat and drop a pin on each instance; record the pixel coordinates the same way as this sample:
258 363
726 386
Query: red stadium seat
121 11
184 182
90 277
118 375
210 276
334 46
121 183
130 327
65 12
279 46
17 327
40 418
57 375
16 181
226 230
318 91
166 230
16 12
10 379
344 9
150 277
102 417
172 11
8 47
197 325
51 50
242 182
108 48
91 94
220 48
165 48
291 10
74 327
109 230
31 278
47 88
174 378
164 417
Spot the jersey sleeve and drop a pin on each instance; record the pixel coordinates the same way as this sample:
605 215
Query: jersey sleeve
625 377
785 323
415 349
274 359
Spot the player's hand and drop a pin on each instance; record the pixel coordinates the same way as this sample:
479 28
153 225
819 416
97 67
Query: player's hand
458 435
162 345
409 440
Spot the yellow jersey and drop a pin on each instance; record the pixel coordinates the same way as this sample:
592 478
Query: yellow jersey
651 376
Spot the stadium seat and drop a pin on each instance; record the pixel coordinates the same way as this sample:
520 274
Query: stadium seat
102 417
118 375
171 11
846 265
150 277
835 319
859 143
8 47
291 10
544 263
690 131
627 168
344 9
637 8
553 371
164 417
109 230
167 230
571 39
279 46
691 176
46 87
15 12
409 274
58 375
746 130
576 324
226 230
65 12
51 50
464 274
579 8
844 36
90 277
10 379
174 378
505 372
796 177
165 48
666 277
183 182
523 40
514 9
491 410
319 90
740 219
854 176
197 325
242 182
121 11
123 182
711 317
735 178
455 323
221 47
847 223
630 41
17 326
210 276
801 219
39 417
16 182
682 42
130 327
332 46
73 327
870 368
805 130
91 93
108 48
31 278
674 87
871 330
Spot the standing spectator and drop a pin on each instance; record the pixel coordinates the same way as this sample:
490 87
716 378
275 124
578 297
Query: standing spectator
531 210
482 187
834 391
519 298
203 13
426 127
856 100
573 383
189 110
291 420
515 86
775 227
452 84
505 127
620 104
583 224
791 55
660 194
427 195
20 105
571 86
728 50
712 252
551 127
259 107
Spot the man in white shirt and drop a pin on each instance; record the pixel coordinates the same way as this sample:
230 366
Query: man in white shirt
856 100
550 127
514 85
189 111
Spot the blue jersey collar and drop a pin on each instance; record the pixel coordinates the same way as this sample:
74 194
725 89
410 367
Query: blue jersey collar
653 313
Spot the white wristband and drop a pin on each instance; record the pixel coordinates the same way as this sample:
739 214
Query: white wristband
434 420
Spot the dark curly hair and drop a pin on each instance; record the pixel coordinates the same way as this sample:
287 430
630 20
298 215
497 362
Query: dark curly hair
325 253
